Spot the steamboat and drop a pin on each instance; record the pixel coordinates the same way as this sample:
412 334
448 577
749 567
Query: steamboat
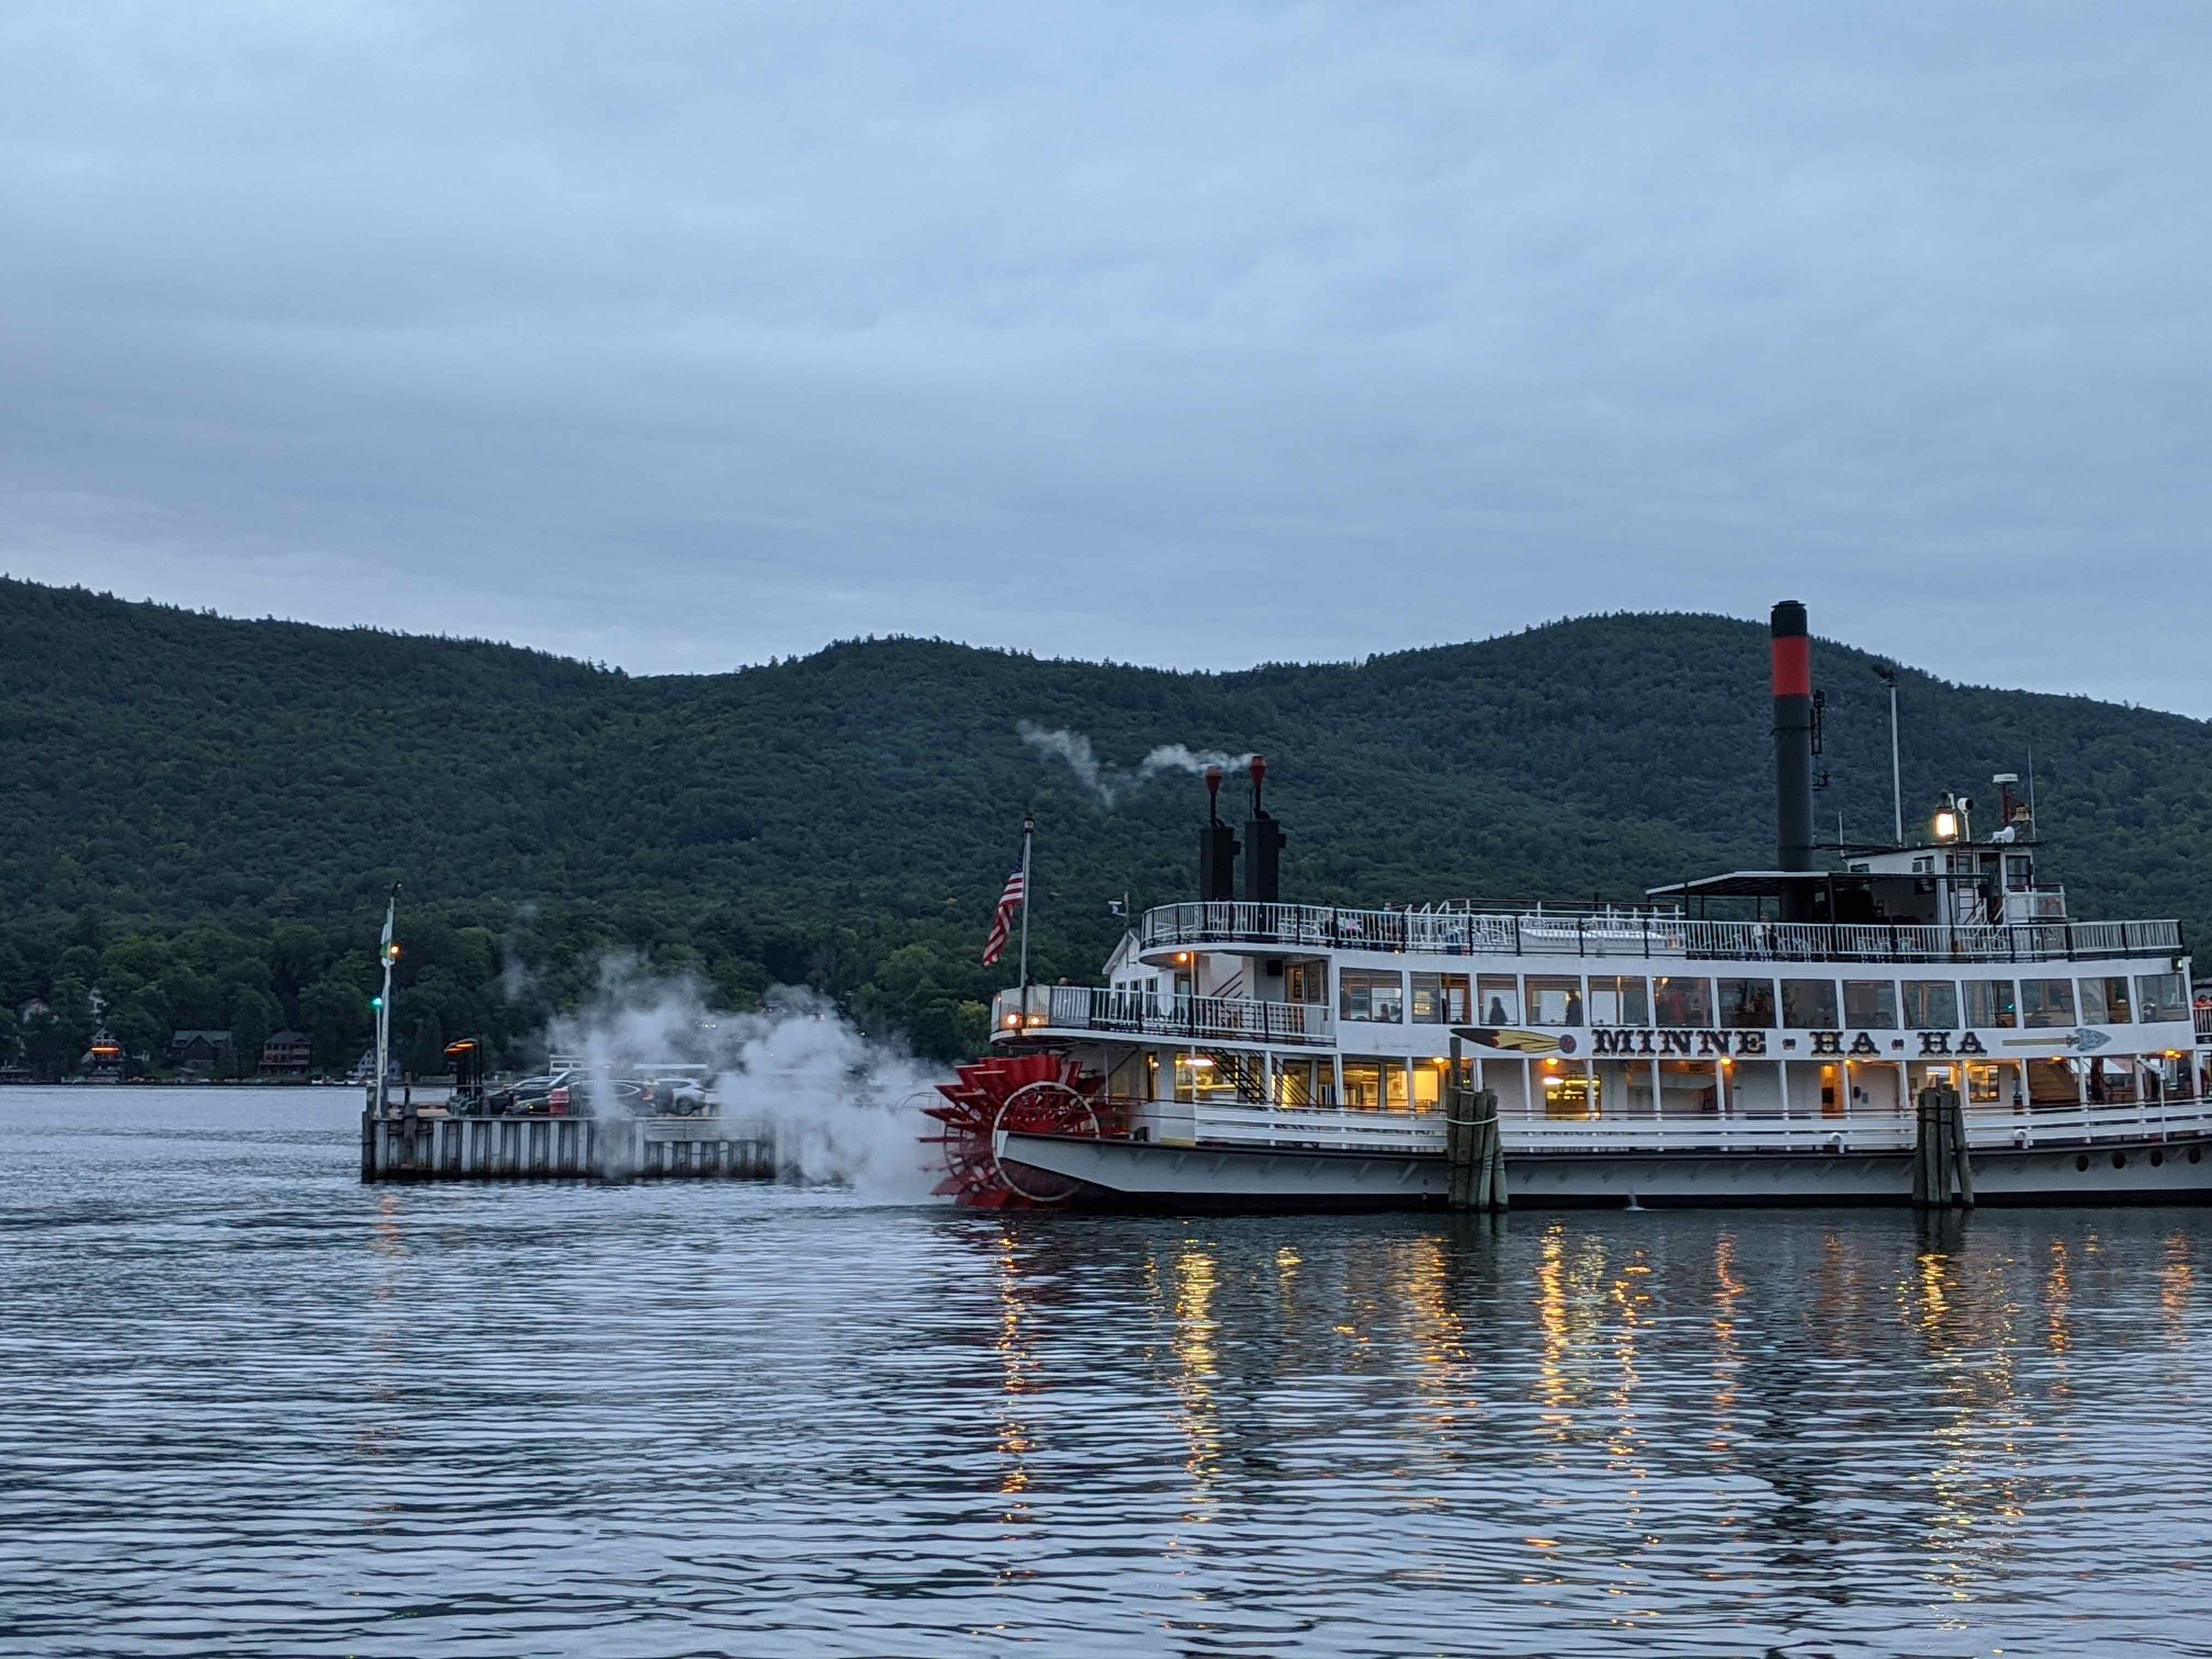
1905 1024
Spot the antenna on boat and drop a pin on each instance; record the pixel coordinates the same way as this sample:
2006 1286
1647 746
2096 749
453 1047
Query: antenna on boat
1887 673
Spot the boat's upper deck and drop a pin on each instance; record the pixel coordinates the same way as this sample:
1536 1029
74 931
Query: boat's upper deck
1453 931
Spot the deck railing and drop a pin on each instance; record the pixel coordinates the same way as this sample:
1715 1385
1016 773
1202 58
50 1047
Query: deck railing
1630 934
1334 1128
1142 1014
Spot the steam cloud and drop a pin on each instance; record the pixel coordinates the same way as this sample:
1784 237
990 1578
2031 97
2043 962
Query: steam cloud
1111 784
839 1106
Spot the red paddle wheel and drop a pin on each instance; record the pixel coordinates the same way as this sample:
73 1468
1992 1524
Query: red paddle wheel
1035 1094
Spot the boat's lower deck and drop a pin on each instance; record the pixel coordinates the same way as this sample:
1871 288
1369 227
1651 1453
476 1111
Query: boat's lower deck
1119 1172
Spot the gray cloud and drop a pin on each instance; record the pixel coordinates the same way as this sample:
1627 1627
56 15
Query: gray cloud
686 334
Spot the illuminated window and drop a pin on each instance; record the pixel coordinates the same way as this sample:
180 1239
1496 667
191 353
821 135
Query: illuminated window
1363 1085
1570 1094
1498 998
1440 998
1554 1000
1428 1085
1363 994
1615 999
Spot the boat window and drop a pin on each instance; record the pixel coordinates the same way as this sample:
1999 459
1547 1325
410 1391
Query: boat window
1394 1086
1619 1000
1365 993
1428 1085
1294 1083
1989 1005
2160 997
1499 998
2046 1002
1555 1000
1570 1095
1748 1003
1440 998
1681 1001
1870 1004
1201 1077
2104 1000
1363 1084
1305 981
1984 1085
1930 1004
1810 1005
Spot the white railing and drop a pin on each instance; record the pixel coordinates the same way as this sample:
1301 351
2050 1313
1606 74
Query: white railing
1322 1129
2204 1024
1334 1128
1144 1013
1632 933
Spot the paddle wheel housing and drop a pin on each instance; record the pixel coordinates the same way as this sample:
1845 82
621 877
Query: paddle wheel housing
1034 1094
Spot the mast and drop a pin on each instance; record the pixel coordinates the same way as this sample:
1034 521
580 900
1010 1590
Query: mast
387 952
1029 833
1888 673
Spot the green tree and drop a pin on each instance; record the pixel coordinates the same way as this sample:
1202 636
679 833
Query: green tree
255 1017
426 1051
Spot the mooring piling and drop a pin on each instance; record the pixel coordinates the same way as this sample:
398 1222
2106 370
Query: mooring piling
1474 1155
1942 1170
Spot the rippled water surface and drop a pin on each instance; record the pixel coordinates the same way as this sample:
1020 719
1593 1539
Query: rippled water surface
252 1407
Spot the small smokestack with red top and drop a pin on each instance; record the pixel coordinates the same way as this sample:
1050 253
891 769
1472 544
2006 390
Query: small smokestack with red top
1263 844
1217 848
1793 738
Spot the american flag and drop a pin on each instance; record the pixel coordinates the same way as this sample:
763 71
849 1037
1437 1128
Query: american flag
1009 901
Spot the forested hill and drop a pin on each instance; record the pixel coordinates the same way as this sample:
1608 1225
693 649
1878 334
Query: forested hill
203 815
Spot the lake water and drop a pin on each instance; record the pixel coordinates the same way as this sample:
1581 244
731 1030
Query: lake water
252 1407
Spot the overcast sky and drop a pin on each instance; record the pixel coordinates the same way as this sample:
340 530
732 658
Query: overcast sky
683 335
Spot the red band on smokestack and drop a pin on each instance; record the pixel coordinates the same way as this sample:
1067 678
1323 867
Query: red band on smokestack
1793 666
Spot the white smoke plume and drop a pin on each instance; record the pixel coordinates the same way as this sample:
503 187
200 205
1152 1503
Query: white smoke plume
839 1106
1111 784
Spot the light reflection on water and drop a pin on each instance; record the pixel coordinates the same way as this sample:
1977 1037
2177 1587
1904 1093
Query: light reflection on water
253 1409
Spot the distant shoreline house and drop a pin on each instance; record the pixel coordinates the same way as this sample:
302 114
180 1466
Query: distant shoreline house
204 1054
103 1061
286 1054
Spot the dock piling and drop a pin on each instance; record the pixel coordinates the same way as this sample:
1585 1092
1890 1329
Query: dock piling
1473 1155
1939 1158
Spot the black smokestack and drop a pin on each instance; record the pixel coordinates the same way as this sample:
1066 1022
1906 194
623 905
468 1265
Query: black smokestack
1793 739
1217 848
1263 845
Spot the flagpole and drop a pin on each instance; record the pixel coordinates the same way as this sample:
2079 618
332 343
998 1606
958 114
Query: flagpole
1029 833
384 1002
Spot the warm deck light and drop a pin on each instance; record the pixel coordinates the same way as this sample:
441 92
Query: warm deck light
1947 821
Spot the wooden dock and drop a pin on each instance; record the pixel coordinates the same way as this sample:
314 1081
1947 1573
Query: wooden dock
432 1146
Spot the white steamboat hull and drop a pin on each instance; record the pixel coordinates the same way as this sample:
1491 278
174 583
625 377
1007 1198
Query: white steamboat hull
1154 1174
